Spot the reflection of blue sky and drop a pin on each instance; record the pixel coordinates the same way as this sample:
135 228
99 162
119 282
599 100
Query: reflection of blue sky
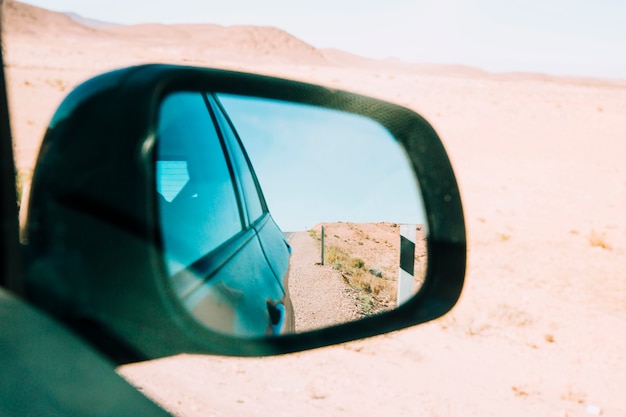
318 165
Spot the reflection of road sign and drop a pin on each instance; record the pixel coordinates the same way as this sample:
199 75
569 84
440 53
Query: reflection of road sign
407 262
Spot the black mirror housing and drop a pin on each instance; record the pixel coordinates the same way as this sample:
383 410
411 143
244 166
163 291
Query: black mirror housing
94 245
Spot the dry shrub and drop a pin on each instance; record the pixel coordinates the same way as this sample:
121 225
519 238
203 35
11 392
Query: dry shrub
376 293
598 240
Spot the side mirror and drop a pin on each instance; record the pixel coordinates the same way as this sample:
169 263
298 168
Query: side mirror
178 209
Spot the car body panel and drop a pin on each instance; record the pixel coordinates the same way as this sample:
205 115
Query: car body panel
48 371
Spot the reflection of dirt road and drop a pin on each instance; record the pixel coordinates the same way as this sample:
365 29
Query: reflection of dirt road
319 295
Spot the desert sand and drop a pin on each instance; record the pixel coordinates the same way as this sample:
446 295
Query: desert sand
540 329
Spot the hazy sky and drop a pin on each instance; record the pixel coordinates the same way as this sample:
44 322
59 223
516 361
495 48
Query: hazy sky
574 37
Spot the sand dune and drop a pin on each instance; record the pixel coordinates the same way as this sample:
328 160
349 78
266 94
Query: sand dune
541 326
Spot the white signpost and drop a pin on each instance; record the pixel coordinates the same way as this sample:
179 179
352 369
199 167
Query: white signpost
407 262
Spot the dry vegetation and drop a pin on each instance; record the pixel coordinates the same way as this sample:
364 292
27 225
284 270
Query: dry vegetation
598 240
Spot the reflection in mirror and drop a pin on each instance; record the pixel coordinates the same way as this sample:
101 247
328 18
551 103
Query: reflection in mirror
279 217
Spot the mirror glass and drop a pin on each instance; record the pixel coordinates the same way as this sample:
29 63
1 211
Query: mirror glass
279 217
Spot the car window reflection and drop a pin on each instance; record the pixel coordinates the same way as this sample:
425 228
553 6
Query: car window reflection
198 205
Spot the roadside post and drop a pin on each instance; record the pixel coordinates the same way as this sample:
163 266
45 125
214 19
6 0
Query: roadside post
322 244
407 262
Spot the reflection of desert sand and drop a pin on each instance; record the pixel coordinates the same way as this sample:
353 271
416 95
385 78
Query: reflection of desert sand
541 326
360 283
376 249
319 295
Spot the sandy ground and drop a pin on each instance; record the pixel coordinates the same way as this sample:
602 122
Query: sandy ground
319 295
541 326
